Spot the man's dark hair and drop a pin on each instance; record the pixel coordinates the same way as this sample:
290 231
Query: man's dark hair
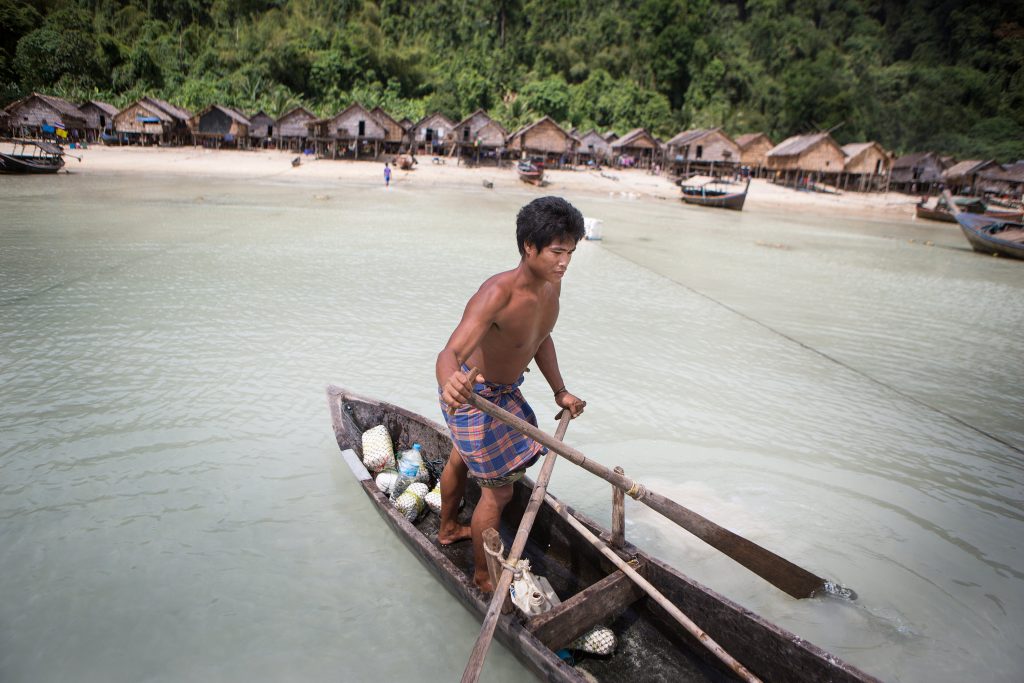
546 219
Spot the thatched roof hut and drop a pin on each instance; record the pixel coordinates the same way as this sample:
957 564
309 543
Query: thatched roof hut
866 158
433 130
99 117
703 144
754 148
1007 180
963 177
610 136
221 125
153 120
261 128
542 137
480 126
640 146
817 152
352 123
40 114
293 127
394 133
920 169
592 145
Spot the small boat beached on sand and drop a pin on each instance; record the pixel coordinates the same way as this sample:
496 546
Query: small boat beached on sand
651 646
706 191
531 171
30 156
989 235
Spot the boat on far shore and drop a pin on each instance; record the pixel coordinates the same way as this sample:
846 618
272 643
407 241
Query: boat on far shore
714 192
531 171
937 209
991 235
30 156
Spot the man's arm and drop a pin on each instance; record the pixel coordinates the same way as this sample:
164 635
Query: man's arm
547 362
477 319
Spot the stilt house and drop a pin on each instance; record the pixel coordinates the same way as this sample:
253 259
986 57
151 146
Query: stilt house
543 138
754 148
478 137
1006 181
434 134
918 173
702 150
866 168
962 178
220 126
593 147
261 130
293 128
637 148
353 132
99 119
153 121
46 116
394 133
803 158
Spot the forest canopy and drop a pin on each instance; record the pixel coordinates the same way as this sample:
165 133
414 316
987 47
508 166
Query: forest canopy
912 75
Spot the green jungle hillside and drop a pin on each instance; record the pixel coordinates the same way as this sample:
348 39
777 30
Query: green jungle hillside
913 75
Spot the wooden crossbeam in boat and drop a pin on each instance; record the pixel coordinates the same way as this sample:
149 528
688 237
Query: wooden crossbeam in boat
563 623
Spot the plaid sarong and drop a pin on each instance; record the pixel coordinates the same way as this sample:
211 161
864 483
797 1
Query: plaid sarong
491 448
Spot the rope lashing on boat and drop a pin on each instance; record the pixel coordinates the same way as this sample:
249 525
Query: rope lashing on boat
498 554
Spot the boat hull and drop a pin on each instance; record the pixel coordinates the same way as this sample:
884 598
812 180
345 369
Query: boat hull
699 196
13 163
983 234
651 645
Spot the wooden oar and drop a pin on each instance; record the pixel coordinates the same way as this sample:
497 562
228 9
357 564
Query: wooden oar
483 641
778 571
656 595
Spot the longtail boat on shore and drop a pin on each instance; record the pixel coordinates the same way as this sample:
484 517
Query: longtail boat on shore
30 156
650 646
713 192
989 235
938 210
531 171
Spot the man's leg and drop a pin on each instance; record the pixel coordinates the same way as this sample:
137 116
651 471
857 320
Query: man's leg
453 485
487 516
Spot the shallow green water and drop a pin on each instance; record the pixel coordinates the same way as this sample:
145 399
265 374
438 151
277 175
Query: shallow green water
173 503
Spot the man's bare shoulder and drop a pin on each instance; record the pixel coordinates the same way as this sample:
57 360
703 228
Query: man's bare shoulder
498 286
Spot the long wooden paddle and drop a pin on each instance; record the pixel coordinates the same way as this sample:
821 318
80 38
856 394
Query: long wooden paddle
778 571
483 641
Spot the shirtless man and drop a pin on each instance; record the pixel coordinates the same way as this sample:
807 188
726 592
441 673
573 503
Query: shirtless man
506 324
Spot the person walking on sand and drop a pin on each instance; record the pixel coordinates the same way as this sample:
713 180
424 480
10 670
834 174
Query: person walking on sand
387 175
506 324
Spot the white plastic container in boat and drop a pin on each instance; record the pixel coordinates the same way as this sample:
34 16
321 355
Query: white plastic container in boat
592 228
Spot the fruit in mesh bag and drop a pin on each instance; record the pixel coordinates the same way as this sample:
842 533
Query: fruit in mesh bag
433 499
411 502
386 480
378 451
597 641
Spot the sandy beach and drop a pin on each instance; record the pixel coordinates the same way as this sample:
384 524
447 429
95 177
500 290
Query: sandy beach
627 183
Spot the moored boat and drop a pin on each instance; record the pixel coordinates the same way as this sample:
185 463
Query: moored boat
531 171
937 209
990 235
30 156
650 645
713 192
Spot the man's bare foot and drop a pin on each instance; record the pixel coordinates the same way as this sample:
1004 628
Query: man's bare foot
483 583
454 535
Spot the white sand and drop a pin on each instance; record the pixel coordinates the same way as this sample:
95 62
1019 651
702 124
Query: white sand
197 161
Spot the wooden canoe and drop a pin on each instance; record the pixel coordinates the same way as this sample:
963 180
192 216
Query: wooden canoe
715 195
651 646
31 157
531 171
988 235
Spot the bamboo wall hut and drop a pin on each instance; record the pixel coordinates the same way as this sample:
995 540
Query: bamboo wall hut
754 148
637 148
45 116
962 178
261 130
394 133
807 158
1006 181
593 147
702 150
610 136
543 138
220 126
352 132
866 168
479 137
918 172
433 134
99 119
293 128
153 121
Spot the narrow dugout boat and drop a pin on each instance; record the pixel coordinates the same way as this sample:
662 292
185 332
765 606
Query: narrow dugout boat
651 646
714 193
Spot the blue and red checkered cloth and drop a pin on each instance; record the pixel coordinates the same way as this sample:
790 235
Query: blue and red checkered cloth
491 448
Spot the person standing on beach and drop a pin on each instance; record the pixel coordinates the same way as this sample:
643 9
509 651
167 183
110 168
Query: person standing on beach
505 325
387 174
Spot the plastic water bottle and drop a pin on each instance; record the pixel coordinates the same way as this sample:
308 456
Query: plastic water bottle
408 470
